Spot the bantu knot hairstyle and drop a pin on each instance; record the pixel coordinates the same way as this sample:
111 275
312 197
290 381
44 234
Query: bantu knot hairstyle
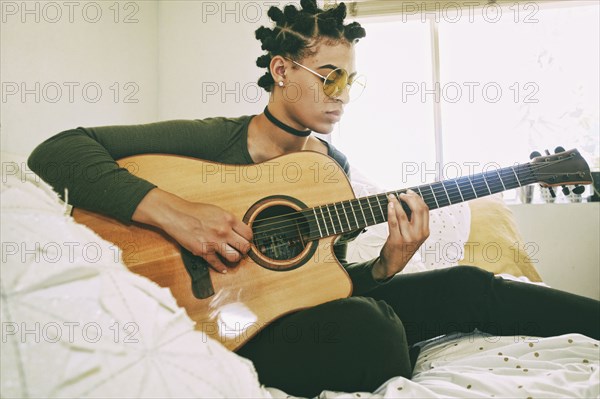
297 31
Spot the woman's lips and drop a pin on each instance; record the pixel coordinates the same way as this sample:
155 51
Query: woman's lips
334 116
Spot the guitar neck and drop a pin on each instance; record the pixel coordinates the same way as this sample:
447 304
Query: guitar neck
356 214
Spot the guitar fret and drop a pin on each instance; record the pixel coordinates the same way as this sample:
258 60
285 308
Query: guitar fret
420 193
439 194
317 220
473 187
329 220
323 217
371 208
354 214
437 205
342 212
466 188
346 215
338 217
500 177
351 202
446 191
459 191
331 216
495 181
380 208
486 183
509 179
363 214
516 177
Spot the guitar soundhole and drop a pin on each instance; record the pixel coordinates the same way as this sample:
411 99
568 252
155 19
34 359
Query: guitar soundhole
280 235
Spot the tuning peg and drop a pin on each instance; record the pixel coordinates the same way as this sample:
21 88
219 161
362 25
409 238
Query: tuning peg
534 154
551 191
547 152
559 149
578 189
565 190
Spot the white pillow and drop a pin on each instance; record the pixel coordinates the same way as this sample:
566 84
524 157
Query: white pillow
449 230
77 323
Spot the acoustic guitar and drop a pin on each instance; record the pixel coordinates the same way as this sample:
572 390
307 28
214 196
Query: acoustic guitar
297 205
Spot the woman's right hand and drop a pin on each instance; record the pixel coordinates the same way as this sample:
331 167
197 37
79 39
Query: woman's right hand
205 230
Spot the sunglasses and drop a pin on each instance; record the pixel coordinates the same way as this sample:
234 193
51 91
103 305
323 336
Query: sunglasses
336 81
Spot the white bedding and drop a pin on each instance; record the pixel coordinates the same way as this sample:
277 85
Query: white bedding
516 367
482 366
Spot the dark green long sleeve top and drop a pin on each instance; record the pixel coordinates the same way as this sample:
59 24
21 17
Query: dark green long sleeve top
83 161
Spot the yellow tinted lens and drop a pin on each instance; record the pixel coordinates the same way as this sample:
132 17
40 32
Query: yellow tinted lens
335 82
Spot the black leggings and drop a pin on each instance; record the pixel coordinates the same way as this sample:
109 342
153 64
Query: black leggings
358 343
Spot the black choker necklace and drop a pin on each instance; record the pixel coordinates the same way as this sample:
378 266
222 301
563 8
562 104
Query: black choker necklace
283 126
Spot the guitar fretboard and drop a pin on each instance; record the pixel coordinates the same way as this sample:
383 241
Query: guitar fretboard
356 214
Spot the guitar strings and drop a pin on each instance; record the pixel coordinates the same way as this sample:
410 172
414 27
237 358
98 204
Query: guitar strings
299 224
302 227
306 236
452 190
296 221
483 183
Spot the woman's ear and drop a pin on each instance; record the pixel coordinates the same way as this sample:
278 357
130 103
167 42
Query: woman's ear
277 68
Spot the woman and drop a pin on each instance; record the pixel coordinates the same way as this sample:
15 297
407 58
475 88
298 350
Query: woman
353 344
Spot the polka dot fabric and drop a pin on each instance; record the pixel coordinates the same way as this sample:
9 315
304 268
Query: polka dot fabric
482 366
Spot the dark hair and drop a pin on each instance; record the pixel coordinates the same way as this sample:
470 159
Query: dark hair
297 32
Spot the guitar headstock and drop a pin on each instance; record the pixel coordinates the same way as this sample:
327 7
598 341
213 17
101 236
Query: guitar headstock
561 168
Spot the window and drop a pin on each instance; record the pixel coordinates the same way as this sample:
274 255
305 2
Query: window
510 82
385 136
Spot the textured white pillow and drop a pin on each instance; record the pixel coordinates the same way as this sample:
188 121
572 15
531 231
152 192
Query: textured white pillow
77 323
449 230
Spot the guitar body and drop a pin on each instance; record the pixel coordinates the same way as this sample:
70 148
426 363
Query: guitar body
295 204
267 284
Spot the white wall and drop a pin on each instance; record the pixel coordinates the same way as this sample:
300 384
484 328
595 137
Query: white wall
176 59
51 51
207 56
567 238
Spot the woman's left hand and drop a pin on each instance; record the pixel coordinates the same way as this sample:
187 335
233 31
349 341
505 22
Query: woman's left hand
406 236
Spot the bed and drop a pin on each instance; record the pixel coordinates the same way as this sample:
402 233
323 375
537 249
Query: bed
77 323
